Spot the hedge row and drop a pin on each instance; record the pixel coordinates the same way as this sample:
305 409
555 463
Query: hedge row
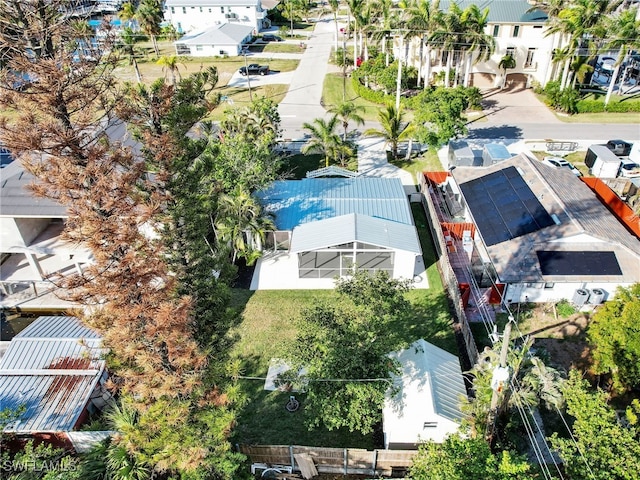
597 106
376 96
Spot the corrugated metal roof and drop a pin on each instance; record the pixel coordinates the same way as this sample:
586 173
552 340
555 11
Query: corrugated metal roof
431 386
351 228
209 3
503 11
51 368
296 202
224 34
17 201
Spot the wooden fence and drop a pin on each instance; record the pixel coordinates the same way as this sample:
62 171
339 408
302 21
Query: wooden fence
334 460
444 266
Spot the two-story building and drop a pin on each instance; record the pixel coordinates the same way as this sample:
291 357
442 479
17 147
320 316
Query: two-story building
517 29
188 16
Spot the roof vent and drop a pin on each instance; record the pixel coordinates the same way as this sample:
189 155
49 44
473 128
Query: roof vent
430 425
555 218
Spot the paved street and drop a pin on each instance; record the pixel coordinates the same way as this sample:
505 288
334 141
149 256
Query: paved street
507 115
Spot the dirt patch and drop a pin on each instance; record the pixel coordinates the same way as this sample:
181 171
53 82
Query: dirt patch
564 339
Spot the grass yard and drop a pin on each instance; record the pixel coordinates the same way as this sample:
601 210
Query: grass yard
296 166
428 162
239 97
269 320
275 47
332 95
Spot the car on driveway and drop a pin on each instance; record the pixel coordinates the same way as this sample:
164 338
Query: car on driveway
271 38
561 163
254 69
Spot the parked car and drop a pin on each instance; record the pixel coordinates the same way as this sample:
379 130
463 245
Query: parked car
254 69
561 163
5 157
271 38
629 169
619 147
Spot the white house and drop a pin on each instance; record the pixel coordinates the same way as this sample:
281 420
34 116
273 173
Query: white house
542 233
31 242
225 39
328 226
518 30
427 403
197 15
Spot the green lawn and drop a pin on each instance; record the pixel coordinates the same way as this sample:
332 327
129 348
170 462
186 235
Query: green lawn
275 47
269 320
427 162
239 97
332 95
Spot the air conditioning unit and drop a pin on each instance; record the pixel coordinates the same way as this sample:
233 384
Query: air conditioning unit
580 297
230 15
597 296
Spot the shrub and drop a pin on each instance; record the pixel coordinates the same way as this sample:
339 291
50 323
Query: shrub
565 309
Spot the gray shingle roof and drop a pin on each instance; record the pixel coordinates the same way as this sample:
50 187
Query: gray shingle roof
584 224
224 34
17 201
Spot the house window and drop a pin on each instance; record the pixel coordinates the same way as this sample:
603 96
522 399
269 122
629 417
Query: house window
173 10
209 10
549 285
530 55
496 30
198 48
223 53
511 51
537 26
184 9
221 9
516 31
200 9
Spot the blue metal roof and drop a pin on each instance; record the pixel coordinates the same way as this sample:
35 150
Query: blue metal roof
295 202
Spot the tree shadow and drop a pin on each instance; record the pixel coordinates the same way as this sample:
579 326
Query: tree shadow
497 131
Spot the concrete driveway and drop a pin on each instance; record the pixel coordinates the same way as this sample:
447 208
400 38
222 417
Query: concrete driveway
516 106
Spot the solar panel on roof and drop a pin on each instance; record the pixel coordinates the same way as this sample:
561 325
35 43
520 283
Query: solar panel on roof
578 263
504 207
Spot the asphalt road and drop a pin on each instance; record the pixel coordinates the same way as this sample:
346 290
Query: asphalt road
509 115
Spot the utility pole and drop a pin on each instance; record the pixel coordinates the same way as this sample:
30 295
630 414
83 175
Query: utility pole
499 382
248 79
344 66
399 78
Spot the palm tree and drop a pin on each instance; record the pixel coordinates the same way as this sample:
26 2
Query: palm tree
128 42
393 128
421 18
577 21
475 22
348 111
506 62
387 21
355 10
624 34
127 14
323 139
170 63
334 5
149 16
449 34
242 224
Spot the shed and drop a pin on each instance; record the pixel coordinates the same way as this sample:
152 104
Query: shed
494 153
427 404
54 368
460 154
225 39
